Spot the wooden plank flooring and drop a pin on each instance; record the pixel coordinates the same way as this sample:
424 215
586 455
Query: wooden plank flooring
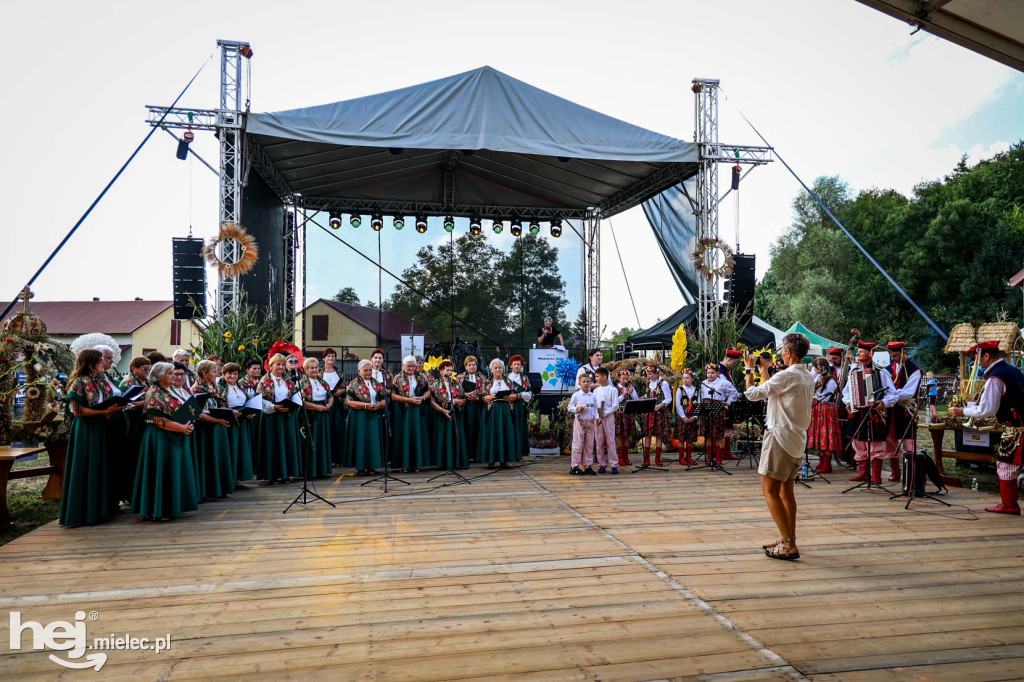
533 574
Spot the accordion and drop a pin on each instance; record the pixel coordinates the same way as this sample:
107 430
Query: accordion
863 385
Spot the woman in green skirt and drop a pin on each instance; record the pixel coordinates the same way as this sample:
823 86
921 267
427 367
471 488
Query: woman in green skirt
472 384
364 400
165 485
216 472
179 389
239 439
410 394
134 417
278 454
317 401
250 383
336 414
520 383
88 495
448 436
498 444
120 458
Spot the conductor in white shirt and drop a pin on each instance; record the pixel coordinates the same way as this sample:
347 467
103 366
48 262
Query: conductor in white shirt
789 393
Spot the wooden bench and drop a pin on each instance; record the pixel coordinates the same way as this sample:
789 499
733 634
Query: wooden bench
937 432
8 456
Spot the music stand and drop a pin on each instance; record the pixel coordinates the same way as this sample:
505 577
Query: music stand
643 407
709 410
749 412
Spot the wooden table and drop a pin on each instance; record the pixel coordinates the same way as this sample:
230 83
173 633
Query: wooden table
8 456
937 432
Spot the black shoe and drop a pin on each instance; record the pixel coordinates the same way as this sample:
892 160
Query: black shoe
589 471
600 470
575 471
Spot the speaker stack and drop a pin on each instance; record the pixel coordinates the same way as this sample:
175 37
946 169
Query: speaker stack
739 288
189 273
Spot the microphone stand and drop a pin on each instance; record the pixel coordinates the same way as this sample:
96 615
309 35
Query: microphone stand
308 447
866 483
802 479
386 442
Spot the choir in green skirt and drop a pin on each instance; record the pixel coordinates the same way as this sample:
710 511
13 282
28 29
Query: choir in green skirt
216 470
277 459
498 443
473 413
411 440
450 450
316 395
165 485
336 414
89 495
364 430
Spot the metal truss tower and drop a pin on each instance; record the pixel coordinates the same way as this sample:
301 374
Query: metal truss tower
592 280
229 132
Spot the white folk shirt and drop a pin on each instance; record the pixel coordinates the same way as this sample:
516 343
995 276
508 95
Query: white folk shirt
607 399
689 392
666 391
724 390
889 398
499 385
111 386
789 411
319 392
588 401
517 378
236 396
280 393
991 396
412 386
909 391
373 391
586 369
827 391
379 375
332 379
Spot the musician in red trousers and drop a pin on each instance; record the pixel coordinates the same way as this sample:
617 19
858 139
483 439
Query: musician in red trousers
1003 398
906 377
868 393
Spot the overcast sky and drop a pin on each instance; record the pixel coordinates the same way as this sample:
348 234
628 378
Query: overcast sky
838 88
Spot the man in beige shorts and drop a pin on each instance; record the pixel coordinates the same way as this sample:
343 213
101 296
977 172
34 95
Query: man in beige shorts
789 393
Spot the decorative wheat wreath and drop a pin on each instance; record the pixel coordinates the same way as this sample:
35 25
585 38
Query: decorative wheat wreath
248 251
704 254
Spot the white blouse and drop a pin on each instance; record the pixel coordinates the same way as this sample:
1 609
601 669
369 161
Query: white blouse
373 391
499 385
319 392
332 379
236 396
516 377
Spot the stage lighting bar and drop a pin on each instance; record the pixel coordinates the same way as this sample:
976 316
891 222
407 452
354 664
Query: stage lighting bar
398 221
421 223
556 228
474 225
355 220
334 221
517 227
534 227
497 225
377 222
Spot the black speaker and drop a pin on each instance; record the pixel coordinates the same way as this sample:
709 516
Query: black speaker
739 288
189 275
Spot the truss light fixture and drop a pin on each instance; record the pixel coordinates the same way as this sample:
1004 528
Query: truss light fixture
556 228
398 221
421 223
449 223
534 227
355 220
474 225
497 225
517 227
334 221
377 222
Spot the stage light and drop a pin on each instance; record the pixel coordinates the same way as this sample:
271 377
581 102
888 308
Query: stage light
534 227
245 51
449 224
497 225
474 225
556 228
398 221
421 223
517 227
377 222
334 221
355 220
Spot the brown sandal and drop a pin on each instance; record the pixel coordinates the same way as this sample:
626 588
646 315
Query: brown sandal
778 542
782 552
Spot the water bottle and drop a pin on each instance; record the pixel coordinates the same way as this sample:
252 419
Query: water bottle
804 471
974 484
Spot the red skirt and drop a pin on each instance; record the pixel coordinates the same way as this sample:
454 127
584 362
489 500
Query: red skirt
655 423
625 425
686 433
823 433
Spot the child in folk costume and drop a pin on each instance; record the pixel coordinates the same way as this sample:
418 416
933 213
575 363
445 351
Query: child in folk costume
687 399
625 424
607 404
823 434
583 407
716 388
656 424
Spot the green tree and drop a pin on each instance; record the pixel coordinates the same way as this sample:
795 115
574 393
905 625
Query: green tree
530 289
346 295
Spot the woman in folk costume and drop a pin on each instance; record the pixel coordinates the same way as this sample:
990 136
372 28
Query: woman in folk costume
179 389
410 393
239 439
317 401
449 438
364 402
278 458
88 495
687 400
823 434
472 384
121 458
216 473
498 444
336 415
379 373
134 414
165 485
625 424
520 383
656 424
716 389
250 383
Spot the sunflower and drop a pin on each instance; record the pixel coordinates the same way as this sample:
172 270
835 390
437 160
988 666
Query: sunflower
227 335
241 347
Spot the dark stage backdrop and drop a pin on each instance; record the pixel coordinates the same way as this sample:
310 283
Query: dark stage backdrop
265 286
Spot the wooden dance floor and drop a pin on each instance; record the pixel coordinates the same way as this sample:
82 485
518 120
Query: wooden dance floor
534 574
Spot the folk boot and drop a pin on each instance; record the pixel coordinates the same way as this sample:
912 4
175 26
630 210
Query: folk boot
1008 492
876 471
647 456
862 475
824 462
657 457
624 456
895 477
